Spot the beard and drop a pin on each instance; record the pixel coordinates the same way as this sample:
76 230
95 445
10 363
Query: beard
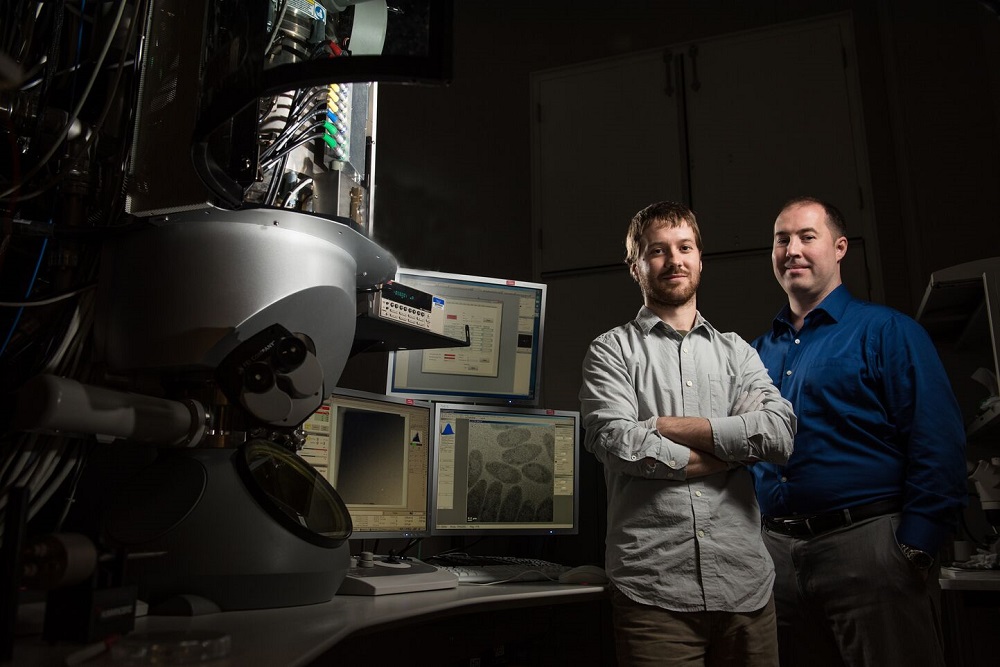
664 293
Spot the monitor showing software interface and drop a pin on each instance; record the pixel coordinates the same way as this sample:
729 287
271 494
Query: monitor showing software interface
502 470
502 365
374 450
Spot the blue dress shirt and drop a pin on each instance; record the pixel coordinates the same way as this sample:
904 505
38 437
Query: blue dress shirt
877 419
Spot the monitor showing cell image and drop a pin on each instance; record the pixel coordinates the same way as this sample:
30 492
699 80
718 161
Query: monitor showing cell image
504 471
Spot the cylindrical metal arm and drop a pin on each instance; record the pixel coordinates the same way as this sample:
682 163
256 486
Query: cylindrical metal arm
52 404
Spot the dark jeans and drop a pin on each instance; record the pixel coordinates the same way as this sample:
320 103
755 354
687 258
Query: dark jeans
850 597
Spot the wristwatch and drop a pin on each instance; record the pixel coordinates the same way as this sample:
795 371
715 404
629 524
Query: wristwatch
918 559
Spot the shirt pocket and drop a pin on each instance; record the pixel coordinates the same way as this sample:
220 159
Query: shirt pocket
721 394
833 384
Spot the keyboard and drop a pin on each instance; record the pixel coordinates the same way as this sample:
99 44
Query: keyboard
499 570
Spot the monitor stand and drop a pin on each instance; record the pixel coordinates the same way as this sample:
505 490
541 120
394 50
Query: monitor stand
385 575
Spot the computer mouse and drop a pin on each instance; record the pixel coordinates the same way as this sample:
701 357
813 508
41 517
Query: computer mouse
584 574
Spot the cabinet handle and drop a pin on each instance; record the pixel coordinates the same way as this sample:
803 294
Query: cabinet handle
695 81
668 65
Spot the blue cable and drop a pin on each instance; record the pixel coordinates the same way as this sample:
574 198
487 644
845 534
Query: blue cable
45 242
31 285
79 49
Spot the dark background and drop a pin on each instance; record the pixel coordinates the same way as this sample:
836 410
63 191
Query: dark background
453 188
453 173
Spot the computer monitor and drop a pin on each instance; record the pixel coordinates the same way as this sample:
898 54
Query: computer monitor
498 470
374 450
501 366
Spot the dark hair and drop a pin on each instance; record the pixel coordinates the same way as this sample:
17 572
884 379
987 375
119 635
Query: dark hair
667 213
834 218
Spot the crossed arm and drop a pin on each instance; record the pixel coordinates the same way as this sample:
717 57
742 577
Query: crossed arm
759 425
696 433
701 464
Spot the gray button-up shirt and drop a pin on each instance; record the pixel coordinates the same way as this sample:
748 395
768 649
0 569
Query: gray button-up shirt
677 543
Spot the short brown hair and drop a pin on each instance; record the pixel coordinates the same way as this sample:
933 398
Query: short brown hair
669 213
834 218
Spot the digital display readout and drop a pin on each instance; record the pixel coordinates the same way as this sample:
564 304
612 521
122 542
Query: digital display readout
407 295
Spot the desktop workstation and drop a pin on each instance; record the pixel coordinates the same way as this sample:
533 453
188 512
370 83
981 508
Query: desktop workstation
227 269
407 471
249 542
374 469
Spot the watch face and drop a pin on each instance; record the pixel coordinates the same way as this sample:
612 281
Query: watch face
919 559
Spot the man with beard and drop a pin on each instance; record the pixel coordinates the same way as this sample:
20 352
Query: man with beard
856 517
675 410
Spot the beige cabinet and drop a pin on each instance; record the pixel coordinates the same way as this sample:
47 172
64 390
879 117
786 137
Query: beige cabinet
605 136
773 115
733 126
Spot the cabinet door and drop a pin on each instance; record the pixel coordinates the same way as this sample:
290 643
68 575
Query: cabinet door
773 114
605 144
580 307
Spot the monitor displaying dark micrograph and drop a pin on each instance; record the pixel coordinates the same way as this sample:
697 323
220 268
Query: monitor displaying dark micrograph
374 450
502 470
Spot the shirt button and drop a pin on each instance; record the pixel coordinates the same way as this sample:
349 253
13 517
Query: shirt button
698 493
685 350
797 341
701 533
689 383
634 457
784 479
671 463
788 372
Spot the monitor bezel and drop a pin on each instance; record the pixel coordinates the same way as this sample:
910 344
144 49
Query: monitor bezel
483 398
479 530
427 405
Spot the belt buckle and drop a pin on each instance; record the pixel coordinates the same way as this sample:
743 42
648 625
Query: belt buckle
830 522
793 526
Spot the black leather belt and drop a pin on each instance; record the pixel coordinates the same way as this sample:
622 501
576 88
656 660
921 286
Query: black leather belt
817 524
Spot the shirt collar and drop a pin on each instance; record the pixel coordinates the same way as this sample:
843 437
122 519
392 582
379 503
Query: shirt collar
833 307
647 319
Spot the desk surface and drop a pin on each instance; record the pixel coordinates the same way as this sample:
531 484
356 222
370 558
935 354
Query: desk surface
298 635
969 580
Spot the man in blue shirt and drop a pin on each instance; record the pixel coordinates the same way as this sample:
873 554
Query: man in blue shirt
855 518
